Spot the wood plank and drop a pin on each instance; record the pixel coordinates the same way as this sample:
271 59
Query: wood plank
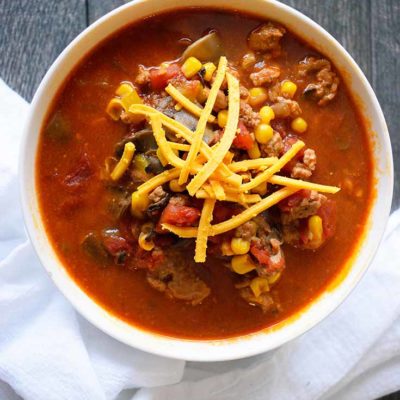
347 20
97 8
385 72
33 33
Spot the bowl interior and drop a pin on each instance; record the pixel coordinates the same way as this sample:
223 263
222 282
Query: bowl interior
227 348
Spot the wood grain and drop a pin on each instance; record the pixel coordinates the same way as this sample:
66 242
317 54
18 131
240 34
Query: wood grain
385 73
348 21
97 8
33 33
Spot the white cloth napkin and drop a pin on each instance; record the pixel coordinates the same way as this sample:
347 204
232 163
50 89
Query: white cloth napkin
49 352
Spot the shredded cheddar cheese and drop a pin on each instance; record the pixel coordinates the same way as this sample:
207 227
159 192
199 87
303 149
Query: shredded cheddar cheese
201 125
224 145
258 163
186 103
166 150
210 173
204 230
238 219
218 189
247 198
123 163
297 183
158 180
185 133
264 176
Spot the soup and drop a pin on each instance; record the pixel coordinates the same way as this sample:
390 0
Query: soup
204 174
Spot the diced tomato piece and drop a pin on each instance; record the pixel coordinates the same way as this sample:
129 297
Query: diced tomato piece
243 140
160 76
294 200
272 263
262 255
327 212
80 174
179 215
115 244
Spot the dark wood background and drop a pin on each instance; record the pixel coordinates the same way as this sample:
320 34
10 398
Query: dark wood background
34 32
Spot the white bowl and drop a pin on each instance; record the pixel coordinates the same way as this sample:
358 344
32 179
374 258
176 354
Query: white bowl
226 349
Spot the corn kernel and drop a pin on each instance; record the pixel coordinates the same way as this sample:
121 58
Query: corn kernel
131 98
257 96
254 152
114 109
202 95
274 277
299 125
176 187
191 67
316 229
124 89
178 107
264 133
222 118
261 189
141 162
266 114
242 264
145 244
209 69
259 285
161 157
226 248
139 203
288 89
240 246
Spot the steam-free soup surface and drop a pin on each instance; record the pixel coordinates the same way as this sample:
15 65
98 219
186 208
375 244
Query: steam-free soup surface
76 200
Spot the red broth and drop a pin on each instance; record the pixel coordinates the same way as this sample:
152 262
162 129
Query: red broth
337 132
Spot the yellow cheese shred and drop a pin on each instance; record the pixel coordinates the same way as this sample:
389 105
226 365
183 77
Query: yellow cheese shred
218 189
184 132
245 165
224 145
158 180
173 159
123 163
159 135
186 103
179 146
236 220
210 192
265 175
247 198
299 184
204 230
201 124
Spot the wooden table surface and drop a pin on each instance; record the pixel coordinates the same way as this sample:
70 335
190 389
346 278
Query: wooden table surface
34 32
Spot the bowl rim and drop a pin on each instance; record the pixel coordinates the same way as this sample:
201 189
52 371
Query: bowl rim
194 350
